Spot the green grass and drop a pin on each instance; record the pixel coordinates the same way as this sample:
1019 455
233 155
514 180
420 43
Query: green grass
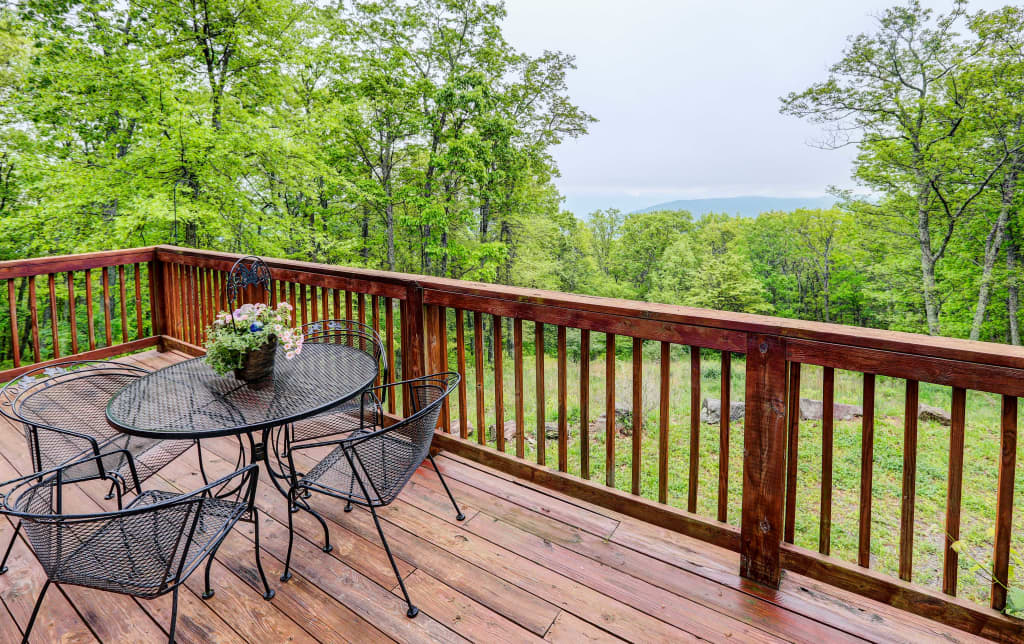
980 458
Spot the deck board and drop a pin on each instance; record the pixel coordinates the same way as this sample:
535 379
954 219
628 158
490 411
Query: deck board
526 564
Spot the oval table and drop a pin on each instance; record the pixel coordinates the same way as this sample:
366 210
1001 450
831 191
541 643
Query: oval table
188 400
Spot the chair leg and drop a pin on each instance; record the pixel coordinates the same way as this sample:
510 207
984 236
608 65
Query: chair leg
10 546
458 513
208 591
35 612
327 531
287 574
174 615
413 611
110 494
268 592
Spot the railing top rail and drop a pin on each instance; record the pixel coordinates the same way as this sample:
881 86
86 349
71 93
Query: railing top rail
63 263
895 341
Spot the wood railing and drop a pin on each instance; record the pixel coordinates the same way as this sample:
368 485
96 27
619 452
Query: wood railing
741 483
54 307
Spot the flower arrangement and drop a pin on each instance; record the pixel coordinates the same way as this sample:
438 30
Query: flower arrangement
250 328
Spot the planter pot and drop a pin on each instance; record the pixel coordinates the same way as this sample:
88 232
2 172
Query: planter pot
258 364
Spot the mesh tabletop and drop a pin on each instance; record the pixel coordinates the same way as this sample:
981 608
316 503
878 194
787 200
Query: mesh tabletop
189 400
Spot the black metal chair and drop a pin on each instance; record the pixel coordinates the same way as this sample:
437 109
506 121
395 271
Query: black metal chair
346 417
62 409
371 465
146 549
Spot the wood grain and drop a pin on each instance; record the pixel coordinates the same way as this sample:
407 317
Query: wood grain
954 488
764 456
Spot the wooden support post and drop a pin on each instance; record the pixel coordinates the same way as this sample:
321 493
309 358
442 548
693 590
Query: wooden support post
764 459
414 333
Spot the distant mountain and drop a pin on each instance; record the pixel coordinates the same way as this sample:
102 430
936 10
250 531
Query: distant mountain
743 206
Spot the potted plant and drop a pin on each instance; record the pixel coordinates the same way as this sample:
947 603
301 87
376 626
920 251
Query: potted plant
245 340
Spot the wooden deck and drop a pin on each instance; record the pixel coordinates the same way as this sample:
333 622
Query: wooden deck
527 564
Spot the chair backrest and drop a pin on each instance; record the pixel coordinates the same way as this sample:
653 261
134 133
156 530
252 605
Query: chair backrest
389 457
143 550
70 398
247 271
351 333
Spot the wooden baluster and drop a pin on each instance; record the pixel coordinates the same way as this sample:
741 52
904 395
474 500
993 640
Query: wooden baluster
325 308
867 458
609 410
389 325
336 299
430 341
460 355
403 341
362 320
792 449
33 309
348 305
691 491
157 287
55 332
585 403
203 305
106 306
89 309
12 304
563 421
723 438
538 335
517 342
638 411
954 488
193 304
182 279
123 290
315 304
663 423
139 327
294 302
376 329
1004 501
442 329
499 385
478 357
72 316
827 423
909 482
305 304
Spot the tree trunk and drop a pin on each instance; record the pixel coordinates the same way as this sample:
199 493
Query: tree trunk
1013 283
993 244
929 288
364 233
389 223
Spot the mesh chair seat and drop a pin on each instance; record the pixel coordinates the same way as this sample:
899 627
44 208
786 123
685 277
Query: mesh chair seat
136 554
145 549
63 414
348 417
374 461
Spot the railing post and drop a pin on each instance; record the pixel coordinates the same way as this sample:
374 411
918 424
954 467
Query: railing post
158 301
413 333
764 459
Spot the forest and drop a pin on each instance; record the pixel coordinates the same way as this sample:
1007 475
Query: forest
412 136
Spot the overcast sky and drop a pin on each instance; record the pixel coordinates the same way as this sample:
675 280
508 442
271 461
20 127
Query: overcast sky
686 93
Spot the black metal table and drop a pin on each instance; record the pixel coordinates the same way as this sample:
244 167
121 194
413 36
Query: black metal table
189 400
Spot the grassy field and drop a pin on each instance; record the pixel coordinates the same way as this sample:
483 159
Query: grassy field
980 470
